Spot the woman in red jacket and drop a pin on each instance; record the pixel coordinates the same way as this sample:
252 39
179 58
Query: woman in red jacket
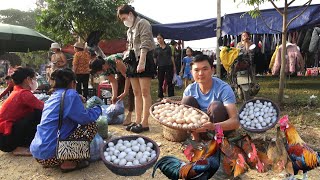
20 113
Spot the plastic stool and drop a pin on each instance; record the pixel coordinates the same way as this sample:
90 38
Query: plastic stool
104 86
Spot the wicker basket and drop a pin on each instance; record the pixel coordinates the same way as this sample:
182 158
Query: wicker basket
266 128
130 170
174 134
175 98
172 127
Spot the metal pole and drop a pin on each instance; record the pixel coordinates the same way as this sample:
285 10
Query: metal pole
218 35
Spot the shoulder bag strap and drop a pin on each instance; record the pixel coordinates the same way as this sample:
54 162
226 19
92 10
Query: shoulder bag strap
61 112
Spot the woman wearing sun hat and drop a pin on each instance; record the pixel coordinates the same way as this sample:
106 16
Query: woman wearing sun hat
80 66
58 60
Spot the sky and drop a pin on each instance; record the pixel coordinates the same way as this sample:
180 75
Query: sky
173 11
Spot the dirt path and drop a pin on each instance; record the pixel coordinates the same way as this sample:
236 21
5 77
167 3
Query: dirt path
12 167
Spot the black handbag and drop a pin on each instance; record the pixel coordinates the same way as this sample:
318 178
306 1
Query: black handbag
70 149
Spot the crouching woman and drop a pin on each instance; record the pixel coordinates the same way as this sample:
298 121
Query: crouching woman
77 122
20 113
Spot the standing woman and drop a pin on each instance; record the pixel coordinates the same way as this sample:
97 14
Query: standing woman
58 60
166 67
80 65
141 70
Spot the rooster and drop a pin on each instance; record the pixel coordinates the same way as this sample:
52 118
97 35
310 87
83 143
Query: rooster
93 41
254 155
203 163
302 156
233 159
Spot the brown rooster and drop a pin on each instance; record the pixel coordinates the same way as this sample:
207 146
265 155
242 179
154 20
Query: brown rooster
302 156
254 155
233 159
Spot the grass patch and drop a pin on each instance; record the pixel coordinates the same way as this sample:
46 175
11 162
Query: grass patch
298 90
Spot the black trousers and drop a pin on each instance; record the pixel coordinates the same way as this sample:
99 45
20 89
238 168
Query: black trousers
83 80
121 86
165 73
22 133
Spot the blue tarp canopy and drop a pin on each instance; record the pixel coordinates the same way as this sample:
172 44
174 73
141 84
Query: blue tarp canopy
234 24
187 31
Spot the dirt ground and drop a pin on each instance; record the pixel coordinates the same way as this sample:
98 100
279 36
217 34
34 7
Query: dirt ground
13 167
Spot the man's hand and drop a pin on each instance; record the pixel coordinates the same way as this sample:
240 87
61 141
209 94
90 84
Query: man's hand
205 127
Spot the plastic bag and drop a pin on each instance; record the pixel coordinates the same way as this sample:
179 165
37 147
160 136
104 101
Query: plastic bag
95 146
174 79
93 101
115 110
102 124
178 81
112 120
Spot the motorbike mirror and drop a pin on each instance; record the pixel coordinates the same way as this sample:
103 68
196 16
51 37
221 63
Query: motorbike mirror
252 47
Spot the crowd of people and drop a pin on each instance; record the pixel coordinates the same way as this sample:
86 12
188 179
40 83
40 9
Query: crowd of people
29 126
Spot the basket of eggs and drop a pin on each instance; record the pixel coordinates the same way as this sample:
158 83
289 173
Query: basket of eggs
177 119
130 155
259 115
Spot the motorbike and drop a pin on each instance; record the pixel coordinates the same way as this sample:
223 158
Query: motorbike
242 75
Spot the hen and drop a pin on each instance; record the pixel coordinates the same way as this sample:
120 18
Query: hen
203 163
302 156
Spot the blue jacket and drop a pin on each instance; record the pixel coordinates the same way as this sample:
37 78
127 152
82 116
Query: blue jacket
44 143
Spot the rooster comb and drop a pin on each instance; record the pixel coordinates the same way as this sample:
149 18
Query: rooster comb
218 129
284 119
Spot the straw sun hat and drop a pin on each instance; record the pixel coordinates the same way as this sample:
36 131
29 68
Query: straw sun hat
79 45
55 46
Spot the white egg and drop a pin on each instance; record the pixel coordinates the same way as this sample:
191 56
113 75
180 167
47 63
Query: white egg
251 107
147 153
250 112
110 153
242 121
122 155
269 104
255 121
251 116
143 160
153 152
133 142
260 119
125 141
153 156
258 125
268 120
108 158
110 144
113 157
122 162
250 104
122 148
148 149
256 109
149 144
248 123
129 158
139 155
263 124
108 149
265 103
127 150
241 116
261 113
116 152
142 148
135 148
112 149
116 161
257 114
135 162
265 116
127 144
132 153
245 117
105 154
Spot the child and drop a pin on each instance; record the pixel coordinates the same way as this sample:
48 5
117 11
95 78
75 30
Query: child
9 88
186 68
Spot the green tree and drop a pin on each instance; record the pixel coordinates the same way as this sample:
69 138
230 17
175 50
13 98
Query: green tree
285 24
65 20
17 17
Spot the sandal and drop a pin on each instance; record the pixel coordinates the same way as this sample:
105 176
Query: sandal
139 129
128 128
80 165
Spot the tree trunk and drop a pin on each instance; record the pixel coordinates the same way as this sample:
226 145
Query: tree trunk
218 35
283 54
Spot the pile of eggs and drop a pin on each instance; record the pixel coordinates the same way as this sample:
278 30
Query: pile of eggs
258 115
179 116
129 153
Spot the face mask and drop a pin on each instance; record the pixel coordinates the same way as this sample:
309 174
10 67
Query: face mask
34 85
129 21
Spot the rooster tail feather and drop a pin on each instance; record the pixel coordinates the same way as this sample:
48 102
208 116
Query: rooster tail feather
169 166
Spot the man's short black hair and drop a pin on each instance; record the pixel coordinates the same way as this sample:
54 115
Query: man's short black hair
8 78
96 65
200 58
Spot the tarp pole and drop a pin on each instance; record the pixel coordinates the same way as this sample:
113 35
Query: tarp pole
218 35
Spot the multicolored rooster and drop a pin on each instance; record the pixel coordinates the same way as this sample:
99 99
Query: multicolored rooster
203 163
302 156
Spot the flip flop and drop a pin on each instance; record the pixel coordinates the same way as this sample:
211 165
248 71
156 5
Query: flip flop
80 165
139 129
128 128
